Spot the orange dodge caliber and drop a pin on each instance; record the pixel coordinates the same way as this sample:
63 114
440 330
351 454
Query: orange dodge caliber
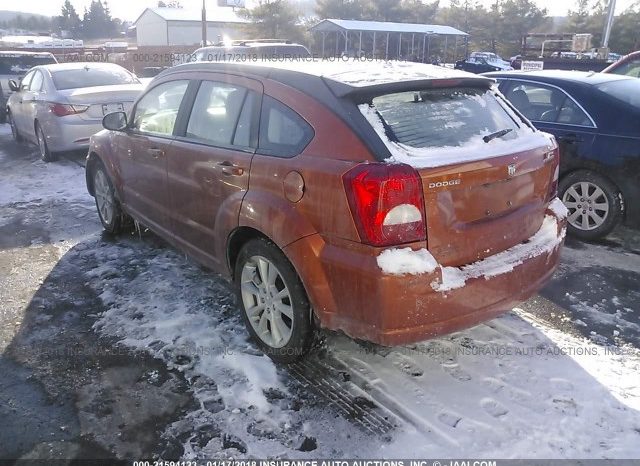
392 201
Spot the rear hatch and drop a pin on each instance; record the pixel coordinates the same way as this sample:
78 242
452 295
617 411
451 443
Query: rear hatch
486 174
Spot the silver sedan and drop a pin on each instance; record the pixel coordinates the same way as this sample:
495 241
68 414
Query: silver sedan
58 107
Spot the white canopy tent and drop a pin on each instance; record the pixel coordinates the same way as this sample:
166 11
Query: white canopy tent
346 30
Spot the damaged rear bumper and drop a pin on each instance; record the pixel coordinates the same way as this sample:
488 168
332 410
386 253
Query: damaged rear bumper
393 309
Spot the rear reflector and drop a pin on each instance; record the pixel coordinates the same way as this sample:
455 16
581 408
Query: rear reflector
387 203
66 109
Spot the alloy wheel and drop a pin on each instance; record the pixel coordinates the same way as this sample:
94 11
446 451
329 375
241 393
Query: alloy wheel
588 205
267 301
104 197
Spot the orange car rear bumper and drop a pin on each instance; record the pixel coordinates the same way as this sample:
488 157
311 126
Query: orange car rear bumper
350 292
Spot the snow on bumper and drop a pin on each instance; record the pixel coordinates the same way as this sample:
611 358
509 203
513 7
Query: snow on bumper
432 300
544 241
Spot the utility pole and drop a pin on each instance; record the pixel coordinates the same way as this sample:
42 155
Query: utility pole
204 24
607 26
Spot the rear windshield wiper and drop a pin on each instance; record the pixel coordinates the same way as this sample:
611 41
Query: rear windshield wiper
497 134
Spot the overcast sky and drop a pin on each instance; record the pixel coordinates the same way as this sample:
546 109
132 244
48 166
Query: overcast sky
131 9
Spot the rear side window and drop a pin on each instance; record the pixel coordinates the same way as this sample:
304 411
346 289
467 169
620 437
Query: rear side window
626 90
283 133
218 117
546 103
443 117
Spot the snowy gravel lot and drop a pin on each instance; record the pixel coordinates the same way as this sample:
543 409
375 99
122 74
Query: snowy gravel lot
126 348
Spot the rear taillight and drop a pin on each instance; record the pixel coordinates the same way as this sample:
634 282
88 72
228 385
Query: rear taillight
66 109
387 203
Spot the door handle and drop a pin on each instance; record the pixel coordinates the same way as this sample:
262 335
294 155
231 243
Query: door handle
570 139
155 153
230 169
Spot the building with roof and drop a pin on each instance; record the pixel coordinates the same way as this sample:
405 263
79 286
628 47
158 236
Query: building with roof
182 26
382 39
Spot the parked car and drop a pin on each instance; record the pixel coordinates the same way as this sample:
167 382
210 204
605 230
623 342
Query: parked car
394 202
58 107
596 119
483 62
628 65
251 50
14 65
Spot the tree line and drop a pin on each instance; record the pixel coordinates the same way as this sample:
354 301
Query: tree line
498 27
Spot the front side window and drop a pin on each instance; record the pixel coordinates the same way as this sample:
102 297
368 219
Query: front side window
215 117
36 82
448 117
283 133
157 111
26 81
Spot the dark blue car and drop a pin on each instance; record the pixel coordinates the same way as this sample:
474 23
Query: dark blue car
596 119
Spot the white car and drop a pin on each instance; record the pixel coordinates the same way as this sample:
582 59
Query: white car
59 107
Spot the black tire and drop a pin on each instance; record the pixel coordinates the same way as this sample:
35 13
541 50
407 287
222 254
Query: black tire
118 220
45 154
594 228
302 331
14 130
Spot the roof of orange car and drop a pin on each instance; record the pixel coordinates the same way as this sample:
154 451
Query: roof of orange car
343 76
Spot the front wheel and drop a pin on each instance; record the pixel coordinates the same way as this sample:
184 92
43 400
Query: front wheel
110 212
274 304
594 204
14 129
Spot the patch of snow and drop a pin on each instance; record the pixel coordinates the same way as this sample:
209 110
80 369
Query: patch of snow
31 180
360 73
558 208
406 261
474 149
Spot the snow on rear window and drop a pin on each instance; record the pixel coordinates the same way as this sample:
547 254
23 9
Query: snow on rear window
448 117
415 137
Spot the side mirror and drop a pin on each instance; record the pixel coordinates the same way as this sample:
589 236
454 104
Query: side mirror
13 85
116 121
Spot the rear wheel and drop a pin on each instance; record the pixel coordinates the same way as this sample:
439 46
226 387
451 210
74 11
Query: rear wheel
45 154
594 204
112 217
274 304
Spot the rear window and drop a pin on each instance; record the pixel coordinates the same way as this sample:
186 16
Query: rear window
444 117
20 64
91 77
626 90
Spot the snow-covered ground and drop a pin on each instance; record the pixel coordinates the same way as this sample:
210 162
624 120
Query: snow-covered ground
518 386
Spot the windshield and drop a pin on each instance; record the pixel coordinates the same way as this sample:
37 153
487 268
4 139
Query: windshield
20 64
91 77
630 68
444 117
626 90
